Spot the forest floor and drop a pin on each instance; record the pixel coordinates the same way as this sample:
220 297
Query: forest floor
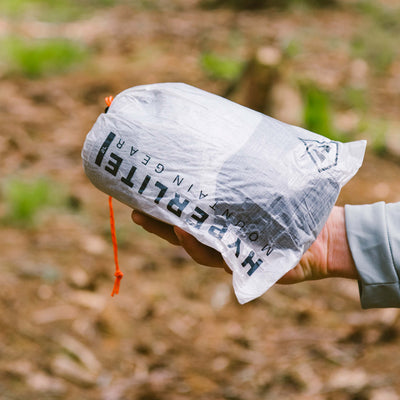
176 330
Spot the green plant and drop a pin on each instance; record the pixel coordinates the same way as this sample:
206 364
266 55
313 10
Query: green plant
219 67
317 112
291 47
41 57
353 97
50 10
260 4
24 199
386 16
375 130
377 46
377 41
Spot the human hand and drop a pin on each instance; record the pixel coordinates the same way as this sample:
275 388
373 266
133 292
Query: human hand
329 255
199 252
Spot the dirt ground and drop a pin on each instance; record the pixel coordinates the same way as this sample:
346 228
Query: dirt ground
175 331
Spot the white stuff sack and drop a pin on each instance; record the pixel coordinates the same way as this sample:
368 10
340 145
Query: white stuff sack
257 190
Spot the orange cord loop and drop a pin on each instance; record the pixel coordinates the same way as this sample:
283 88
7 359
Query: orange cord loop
118 273
109 100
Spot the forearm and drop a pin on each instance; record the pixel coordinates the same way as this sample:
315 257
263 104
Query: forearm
340 261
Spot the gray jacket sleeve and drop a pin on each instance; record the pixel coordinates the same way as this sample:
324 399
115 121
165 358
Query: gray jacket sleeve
373 233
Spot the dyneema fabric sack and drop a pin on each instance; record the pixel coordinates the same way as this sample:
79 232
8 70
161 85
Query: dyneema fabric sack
257 190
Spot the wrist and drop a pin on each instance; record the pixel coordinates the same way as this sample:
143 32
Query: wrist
340 261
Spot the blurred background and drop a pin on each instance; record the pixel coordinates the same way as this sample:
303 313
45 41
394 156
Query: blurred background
176 331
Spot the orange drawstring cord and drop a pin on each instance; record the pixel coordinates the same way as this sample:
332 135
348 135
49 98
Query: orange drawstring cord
118 273
109 100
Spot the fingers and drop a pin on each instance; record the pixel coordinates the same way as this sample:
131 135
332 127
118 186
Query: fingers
295 275
155 226
200 253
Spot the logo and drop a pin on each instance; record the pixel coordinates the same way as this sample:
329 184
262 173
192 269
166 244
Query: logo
323 154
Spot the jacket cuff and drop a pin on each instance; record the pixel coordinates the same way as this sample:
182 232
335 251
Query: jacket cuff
368 233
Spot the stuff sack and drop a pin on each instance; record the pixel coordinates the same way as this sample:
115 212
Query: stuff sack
257 190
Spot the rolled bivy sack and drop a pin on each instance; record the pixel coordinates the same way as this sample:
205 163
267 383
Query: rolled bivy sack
256 189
